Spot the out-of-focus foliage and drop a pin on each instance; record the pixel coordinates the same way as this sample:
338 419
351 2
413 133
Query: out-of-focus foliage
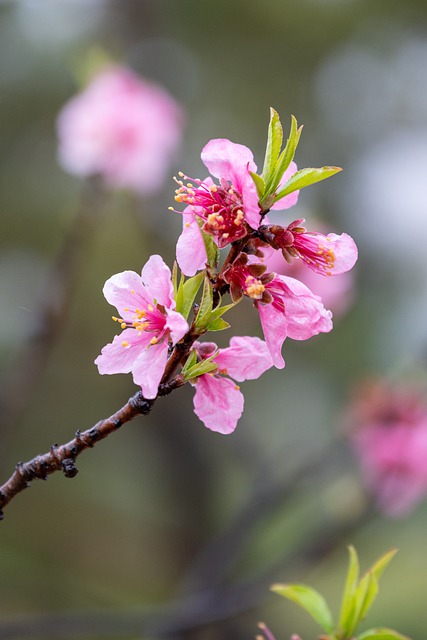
127 533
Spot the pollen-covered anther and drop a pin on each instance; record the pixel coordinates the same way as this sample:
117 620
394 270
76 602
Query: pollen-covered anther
238 220
154 341
125 343
140 313
254 288
140 326
215 220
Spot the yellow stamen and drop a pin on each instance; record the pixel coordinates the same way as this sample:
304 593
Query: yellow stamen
125 343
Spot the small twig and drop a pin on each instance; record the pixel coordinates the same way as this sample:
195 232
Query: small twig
63 457
221 553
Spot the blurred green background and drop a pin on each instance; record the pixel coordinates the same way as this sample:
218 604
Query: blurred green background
110 553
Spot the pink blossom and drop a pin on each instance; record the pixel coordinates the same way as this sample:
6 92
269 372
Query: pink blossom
287 308
146 307
294 312
337 293
228 210
218 401
390 440
123 128
327 255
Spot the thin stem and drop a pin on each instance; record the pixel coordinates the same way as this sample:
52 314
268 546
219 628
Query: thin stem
63 457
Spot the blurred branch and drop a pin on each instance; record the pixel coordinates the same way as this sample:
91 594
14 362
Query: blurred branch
16 391
207 606
220 554
63 457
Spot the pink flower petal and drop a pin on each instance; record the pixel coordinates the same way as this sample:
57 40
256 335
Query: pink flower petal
116 358
157 278
291 199
274 326
247 358
190 249
228 160
176 324
218 403
231 161
305 314
123 128
345 251
125 290
149 369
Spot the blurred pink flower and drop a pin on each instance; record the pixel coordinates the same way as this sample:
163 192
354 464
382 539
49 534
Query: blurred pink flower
389 436
227 209
146 306
122 128
218 401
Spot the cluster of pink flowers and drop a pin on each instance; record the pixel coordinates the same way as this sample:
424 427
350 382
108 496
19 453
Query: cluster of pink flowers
389 436
122 128
157 338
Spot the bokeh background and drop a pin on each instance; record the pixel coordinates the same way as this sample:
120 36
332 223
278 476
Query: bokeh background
166 509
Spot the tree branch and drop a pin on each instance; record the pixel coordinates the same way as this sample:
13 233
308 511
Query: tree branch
63 457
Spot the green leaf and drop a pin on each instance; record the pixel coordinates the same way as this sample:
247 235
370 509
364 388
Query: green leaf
358 598
287 155
212 251
218 325
205 310
367 595
366 591
179 294
375 572
274 144
348 604
219 311
305 178
200 369
187 292
175 279
310 600
381 633
190 362
259 183
382 563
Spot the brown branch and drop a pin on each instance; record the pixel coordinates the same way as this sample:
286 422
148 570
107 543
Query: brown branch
63 457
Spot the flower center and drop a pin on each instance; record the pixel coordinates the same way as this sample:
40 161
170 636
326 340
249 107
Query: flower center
253 288
220 206
150 319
